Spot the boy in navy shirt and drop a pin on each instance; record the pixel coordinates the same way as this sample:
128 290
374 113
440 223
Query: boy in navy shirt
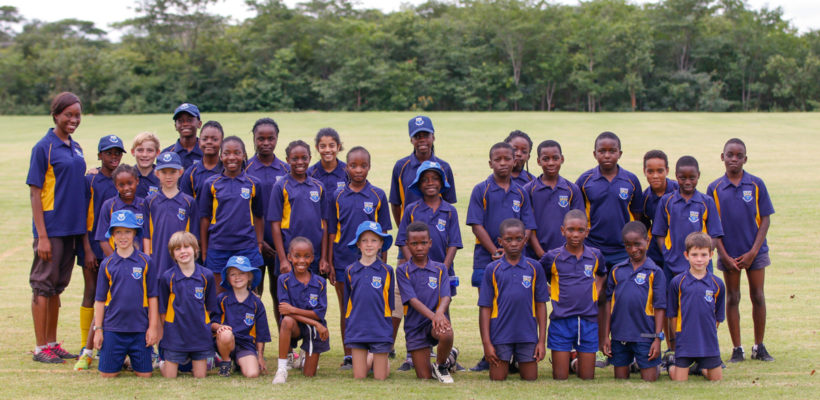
125 308
145 150
656 170
635 308
425 290
513 310
187 294
696 305
209 163
186 123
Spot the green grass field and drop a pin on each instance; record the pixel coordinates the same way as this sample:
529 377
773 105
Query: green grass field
779 147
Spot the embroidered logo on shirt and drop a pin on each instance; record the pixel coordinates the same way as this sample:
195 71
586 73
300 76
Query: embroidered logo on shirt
136 272
181 214
340 185
709 296
747 195
199 292
693 216
624 193
526 281
248 319
314 196
368 207
563 201
314 300
432 282
640 278
279 178
245 193
152 189
139 218
376 282
516 205
441 225
588 270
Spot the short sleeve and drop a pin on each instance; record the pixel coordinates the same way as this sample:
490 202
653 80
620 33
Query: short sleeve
660 224
392 288
542 294
262 328
636 204
449 195
102 281
713 225
384 212
205 202
527 216
454 231
186 183
256 201
577 202
281 290
395 197
38 166
720 302
610 284
321 305
193 217
659 290
486 293
103 220
152 278
164 292
216 313
602 270
401 235
764 202
444 284
671 299
405 284
475 209
210 293
330 213
276 203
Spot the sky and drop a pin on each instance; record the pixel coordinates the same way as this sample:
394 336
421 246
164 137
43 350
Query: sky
804 14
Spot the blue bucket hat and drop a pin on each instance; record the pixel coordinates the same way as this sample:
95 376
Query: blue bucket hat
375 227
243 264
124 219
420 124
429 166
169 159
110 142
187 108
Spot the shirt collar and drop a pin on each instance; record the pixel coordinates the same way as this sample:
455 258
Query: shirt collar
565 254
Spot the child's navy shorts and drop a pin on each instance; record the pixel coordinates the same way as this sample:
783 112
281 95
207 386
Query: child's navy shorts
310 340
761 261
624 352
703 362
117 345
478 276
184 357
524 352
375 348
570 333
419 337
216 259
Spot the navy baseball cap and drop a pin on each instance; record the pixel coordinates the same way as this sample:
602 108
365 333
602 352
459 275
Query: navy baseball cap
124 219
429 166
169 159
375 227
243 264
110 142
420 124
187 108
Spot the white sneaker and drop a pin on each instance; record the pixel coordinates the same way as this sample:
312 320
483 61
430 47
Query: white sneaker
442 373
281 376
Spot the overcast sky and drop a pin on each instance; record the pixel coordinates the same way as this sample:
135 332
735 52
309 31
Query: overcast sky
804 14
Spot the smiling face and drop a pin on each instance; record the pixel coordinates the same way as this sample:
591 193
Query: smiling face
67 121
430 183
110 159
123 237
699 258
636 246
300 256
687 176
232 157
299 161
501 162
358 166
656 171
145 154
168 177
327 148
370 244
734 157
238 279
126 185
607 153
264 139
184 255
210 140
522 152
187 125
550 159
575 231
423 143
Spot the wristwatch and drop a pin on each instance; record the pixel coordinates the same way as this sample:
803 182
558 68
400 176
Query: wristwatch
659 336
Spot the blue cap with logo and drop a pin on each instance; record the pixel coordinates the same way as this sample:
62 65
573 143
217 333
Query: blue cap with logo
375 227
429 166
123 219
110 142
187 108
418 124
169 159
243 264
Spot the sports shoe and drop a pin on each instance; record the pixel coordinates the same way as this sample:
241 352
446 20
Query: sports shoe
392 354
60 352
759 353
442 373
452 360
225 368
347 363
633 367
667 360
407 365
513 366
737 355
482 365
47 356
83 363
281 376
601 361
695 370
155 361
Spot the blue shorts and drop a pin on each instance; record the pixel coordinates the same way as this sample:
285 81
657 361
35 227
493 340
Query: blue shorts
117 345
375 348
703 362
419 337
570 333
310 340
761 261
624 352
184 357
524 352
216 259
478 276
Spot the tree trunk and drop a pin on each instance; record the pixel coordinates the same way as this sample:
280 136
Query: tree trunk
632 98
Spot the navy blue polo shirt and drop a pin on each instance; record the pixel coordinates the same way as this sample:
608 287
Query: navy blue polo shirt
266 176
333 180
300 208
650 205
247 319
511 291
138 207
230 204
489 206
698 305
369 299
311 296
404 173
550 205
349 208
572 282
523 178
58 169
634 295
443 223
147 184
187 302
428 285
125 285
741 207
166 217
99 189
188 157
609 205
675 218
195 175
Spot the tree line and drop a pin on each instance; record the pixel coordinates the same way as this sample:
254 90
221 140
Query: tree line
476 55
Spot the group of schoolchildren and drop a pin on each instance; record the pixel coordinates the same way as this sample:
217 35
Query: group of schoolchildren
178 245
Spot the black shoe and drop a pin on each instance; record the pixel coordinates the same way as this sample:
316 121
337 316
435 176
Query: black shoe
392 354
513 368
633 367
347 363
737 355
407 365
695 370
759 353
225 368
452 360
667 360
482 365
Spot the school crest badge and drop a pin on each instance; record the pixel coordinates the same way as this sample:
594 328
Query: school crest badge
167 157
181 214
563 201
139 217
248 319
152 189
240 260
199 292
434 164
340 185
526 281
113 139
441 224
432 282
623 193
279 178
640 278
694 216
419 121
313 300
121 217
376 282
747 195
516 205
588 270
314 196
709 296
368 207
136 272
375 226
245 193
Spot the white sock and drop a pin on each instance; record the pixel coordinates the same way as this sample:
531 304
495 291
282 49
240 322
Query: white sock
88 352
53 344
39 349
283 363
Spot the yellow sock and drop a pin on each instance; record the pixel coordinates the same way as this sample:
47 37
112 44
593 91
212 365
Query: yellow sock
86 316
